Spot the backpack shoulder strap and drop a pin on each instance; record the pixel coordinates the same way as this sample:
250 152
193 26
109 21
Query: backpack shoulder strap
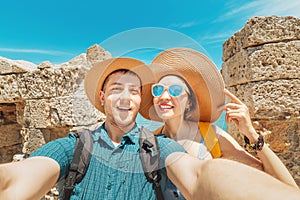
80 161
210 139
150 156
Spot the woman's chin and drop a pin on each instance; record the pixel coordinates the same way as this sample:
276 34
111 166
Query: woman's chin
167 116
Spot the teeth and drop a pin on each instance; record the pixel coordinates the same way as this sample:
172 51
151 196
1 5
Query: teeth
124 108
166 106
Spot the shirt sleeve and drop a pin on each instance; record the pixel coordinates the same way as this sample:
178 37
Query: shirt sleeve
167 146
60 150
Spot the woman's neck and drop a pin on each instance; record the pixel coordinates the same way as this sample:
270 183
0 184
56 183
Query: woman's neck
181 129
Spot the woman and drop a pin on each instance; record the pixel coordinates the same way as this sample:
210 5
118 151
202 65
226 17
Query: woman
189 95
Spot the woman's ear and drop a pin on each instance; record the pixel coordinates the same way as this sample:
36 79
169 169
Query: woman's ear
101 95
188 106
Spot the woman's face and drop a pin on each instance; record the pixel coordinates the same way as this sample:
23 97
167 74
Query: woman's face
173 101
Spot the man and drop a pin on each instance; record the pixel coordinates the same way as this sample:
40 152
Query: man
114 87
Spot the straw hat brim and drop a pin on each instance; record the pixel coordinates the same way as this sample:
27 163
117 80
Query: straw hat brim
199 72
94 79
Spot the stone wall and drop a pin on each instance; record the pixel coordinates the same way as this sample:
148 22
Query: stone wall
262 67
44 102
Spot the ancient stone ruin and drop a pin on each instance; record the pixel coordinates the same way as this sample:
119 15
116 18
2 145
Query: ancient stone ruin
261 66
44 102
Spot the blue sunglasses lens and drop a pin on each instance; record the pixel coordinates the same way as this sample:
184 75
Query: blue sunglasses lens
174 90
157 90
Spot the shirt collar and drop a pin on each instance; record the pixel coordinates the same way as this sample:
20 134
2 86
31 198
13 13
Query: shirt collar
132 135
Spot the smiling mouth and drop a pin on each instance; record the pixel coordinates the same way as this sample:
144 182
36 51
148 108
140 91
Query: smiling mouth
123 109
165 107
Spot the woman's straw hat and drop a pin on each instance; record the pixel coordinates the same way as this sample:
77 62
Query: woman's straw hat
199 72
96 76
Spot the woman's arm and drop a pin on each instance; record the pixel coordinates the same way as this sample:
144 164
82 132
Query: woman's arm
237 112
28 179
231 150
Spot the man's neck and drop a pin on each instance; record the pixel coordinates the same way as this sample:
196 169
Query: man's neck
116 132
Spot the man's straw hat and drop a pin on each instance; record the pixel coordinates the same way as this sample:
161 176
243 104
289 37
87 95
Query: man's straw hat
96 76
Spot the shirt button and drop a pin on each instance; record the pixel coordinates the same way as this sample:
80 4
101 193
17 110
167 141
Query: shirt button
108 187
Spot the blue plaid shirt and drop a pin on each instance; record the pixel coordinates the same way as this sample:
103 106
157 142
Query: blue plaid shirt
114 172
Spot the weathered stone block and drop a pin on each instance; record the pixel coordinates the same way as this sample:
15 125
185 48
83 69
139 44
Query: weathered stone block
85 113
8 113
267 62
262 30
32 140
55 133
61 111
96 53
37 84
37 113
7 153
79 61
281 136
68 79
271 99
9 90
8 66
10 135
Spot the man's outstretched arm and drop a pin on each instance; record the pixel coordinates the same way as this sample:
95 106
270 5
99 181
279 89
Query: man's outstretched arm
28 179
224 179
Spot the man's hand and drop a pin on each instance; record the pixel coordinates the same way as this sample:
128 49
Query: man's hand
28 179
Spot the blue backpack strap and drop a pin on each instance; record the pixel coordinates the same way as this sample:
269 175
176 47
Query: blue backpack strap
150 156
80 161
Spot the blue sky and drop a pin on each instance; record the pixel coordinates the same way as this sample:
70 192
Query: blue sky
59 30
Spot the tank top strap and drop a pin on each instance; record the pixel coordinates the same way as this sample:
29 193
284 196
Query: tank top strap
210 138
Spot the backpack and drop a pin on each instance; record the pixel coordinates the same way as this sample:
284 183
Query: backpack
148 151
80 161
150 155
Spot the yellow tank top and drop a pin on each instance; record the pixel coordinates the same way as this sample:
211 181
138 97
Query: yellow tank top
209 135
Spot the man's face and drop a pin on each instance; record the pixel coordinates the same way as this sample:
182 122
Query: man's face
121 98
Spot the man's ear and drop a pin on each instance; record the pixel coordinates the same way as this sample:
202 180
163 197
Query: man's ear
101 95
